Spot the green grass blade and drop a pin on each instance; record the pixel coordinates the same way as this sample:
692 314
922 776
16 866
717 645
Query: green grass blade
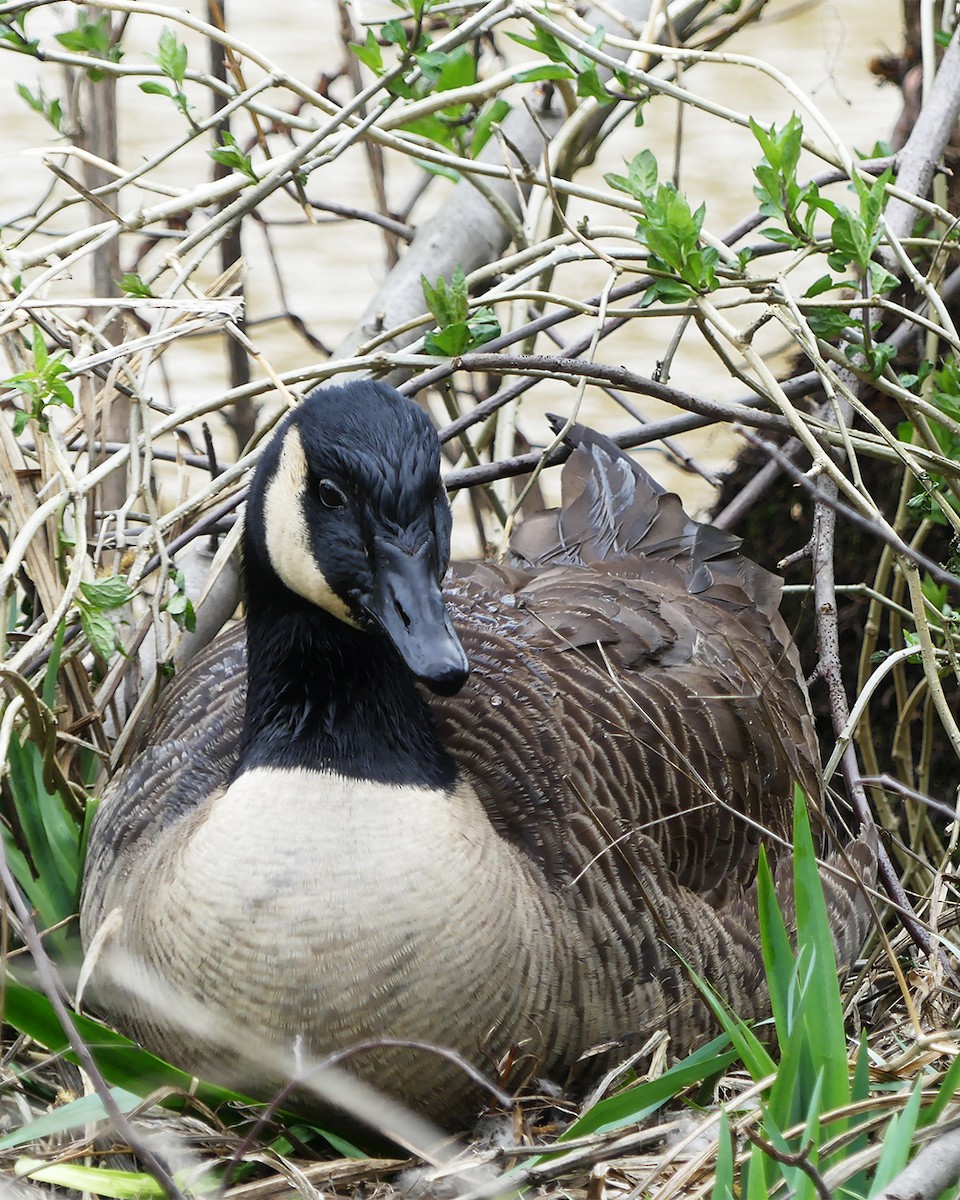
757 1186
89 812
126 1065
860 1086
31 887
751 1051
83 1111
340 1144
797 1179
122 1062
54 886
778 960
101 1181
637 1103
898 1141
824 1013
723 1177
61 830
796 1077
858 1185
949 1087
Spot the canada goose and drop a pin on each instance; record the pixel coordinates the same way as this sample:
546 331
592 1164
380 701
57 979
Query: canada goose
371 844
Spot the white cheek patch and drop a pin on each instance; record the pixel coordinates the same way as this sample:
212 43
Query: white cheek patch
287 536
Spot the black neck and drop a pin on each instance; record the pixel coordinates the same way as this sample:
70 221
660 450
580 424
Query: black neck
325 696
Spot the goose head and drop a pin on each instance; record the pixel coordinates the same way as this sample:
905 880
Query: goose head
347 511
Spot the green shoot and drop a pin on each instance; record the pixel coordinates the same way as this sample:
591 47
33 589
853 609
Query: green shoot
95 601
41 387
458 330
179 606
230 155
172 61
94 38
50 110
671 231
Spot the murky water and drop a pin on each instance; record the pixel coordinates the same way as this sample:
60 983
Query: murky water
331 269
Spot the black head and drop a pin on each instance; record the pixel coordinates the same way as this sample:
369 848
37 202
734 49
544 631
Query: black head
347 510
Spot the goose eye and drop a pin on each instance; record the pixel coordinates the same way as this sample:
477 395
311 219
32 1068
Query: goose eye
330 495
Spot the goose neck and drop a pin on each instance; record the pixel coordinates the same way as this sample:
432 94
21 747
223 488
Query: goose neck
324 696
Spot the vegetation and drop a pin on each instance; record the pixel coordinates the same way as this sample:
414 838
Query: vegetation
112 486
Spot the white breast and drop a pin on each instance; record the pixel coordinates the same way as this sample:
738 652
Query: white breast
380 939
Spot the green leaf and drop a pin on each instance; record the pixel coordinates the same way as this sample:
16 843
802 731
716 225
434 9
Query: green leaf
93 38
172 58
61 393
669 291
447 302
448 342
589 84
394 33
459 329
545 43
492 113
230 155
369 53
436 127
946 1093
40 355
50 110
109 592
882 280
757 1187
856 1185
551 71
103 1181
878 356
791 1094
153 87
751 1052
122 1062
641 178
792 204
133 285
830 323
179 606
48 693
483 326
13 37
823 284
778 960
850 238
49 870
99 632
456 69
438 169
783 237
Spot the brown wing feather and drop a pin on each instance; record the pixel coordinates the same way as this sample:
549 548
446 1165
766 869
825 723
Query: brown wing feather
187 753
660 688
